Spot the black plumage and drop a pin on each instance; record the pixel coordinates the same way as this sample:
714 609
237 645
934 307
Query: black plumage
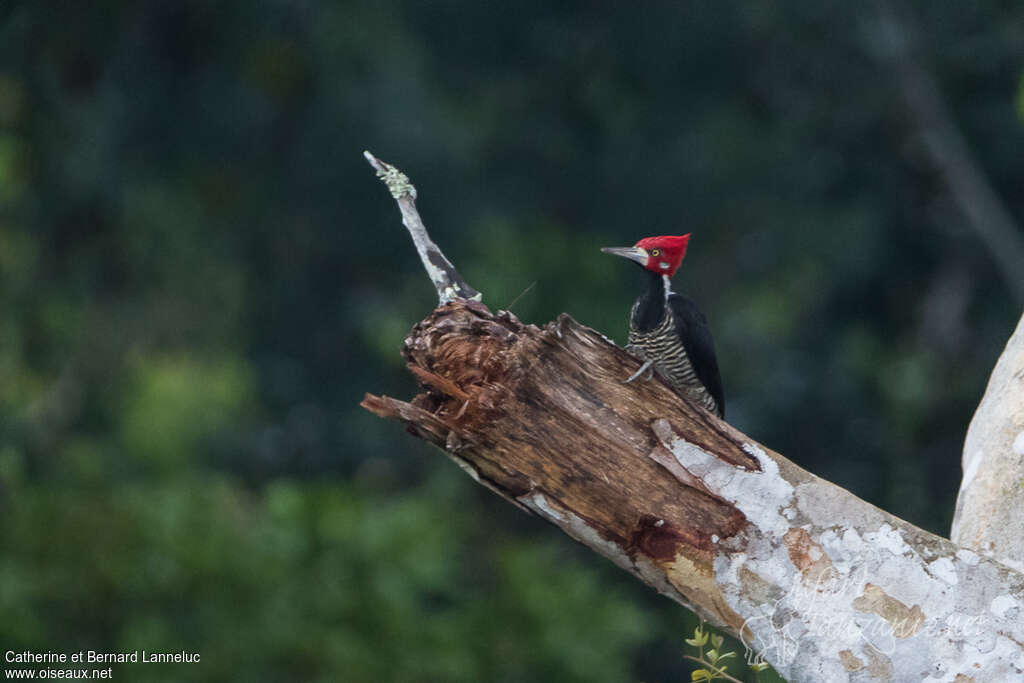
669 330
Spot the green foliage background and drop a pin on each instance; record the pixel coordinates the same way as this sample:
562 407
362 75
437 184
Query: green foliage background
200 276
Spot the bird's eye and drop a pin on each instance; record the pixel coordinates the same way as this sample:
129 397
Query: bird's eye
655 252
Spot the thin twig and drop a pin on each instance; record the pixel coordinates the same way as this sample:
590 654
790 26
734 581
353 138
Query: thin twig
521 294
718 672
447 281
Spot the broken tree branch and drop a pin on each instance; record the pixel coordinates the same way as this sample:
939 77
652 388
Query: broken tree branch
447 281
990 508
824 585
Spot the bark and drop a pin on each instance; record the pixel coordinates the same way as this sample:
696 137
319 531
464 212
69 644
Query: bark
824 585
990 509
447 281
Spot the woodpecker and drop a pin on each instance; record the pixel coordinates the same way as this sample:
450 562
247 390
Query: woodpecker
666 330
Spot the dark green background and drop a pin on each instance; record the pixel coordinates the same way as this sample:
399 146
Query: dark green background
200 277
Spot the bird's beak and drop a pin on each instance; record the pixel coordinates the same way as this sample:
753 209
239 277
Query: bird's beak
637 254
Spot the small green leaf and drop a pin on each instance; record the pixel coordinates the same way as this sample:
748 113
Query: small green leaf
726 655
703 639
759 666
712 655
692 643
700 675
716 641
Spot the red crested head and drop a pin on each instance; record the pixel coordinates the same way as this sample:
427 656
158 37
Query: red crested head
664 253
661 254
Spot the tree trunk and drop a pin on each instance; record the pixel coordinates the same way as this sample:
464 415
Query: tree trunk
990 509
824 585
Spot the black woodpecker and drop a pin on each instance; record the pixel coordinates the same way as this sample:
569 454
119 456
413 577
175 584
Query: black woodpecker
666 330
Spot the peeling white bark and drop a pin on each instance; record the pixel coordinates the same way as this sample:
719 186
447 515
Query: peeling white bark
851 592
990 509
825 586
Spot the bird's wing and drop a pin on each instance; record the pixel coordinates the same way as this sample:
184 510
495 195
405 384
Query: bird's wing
692 328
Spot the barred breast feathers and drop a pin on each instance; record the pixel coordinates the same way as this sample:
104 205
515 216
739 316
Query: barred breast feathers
663 346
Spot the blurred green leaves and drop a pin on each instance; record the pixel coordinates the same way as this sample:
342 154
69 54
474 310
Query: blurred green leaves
11 154
302 581
1020 99
173 402
200 276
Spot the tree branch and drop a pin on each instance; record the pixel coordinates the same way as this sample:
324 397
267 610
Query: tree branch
447 281
821 583
990 508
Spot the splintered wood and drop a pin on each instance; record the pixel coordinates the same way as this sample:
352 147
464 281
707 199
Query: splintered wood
543 415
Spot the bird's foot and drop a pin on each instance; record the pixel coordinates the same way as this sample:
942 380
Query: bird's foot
635 351
647 367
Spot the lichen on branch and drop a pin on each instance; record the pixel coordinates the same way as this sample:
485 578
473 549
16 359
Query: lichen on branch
447 281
